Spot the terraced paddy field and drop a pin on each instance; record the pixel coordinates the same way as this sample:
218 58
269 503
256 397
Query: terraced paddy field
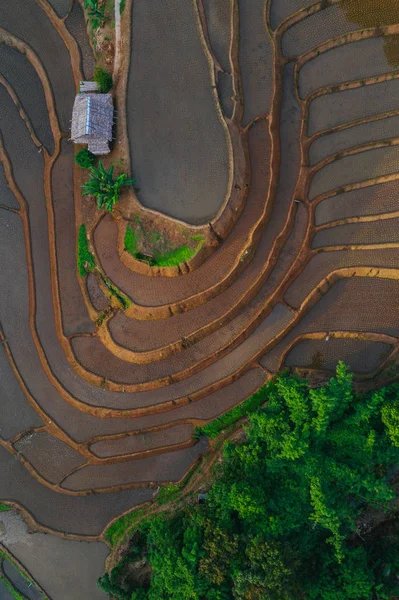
268 128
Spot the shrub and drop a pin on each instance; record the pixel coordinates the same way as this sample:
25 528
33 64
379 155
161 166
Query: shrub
103 79
84 158
104 187
86 262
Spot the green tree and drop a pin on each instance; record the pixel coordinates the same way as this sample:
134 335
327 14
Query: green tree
104 187
295 511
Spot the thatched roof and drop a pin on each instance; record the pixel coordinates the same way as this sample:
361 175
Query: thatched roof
92 121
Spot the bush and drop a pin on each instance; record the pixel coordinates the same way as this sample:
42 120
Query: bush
86 262
84 158
103 79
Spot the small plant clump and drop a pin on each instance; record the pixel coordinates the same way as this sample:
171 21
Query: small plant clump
84 158
103 80
104 187
86 262
4 507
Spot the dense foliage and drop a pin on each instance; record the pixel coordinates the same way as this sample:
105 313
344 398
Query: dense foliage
103 80
84 158
104 187
300 509
86 262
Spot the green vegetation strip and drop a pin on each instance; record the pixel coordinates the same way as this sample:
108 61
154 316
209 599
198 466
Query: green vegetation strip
86 262
214 428
115 292
14 593
5 557
120 528
302 508
4 507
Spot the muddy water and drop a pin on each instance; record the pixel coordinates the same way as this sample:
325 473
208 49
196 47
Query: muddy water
375 13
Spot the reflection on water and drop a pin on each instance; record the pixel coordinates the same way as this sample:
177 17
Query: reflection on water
374 13
391 49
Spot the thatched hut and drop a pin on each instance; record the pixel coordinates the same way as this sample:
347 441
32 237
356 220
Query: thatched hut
92 121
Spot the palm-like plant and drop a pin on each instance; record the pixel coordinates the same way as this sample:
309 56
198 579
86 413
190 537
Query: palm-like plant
104 187
96 13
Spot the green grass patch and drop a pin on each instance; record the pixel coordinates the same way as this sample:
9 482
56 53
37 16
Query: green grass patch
167 493
175 257
122 7
130 240
4 507
167 258
250 405
86 262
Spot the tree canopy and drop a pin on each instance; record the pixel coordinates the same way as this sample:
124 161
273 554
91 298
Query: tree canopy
302 508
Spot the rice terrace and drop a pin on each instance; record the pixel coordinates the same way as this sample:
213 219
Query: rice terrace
196 196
